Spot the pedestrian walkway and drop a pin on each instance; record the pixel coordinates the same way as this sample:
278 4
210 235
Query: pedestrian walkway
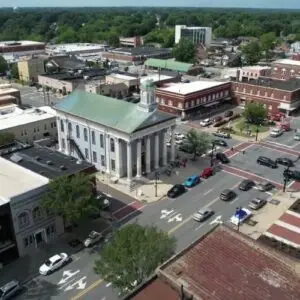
280 148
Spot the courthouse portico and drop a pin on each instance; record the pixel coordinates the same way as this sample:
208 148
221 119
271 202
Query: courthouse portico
122 139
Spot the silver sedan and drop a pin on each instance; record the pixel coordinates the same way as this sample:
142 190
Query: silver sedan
203 214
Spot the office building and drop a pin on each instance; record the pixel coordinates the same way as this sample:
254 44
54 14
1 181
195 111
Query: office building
198 35
29 69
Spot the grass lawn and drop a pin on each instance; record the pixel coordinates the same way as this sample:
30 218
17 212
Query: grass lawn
239 127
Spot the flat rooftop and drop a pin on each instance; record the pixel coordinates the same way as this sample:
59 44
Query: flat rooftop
5 91
156 77
140 51
191 87
15 180
15 116
122 76
45 161
19 43
63 48
287 62
246 68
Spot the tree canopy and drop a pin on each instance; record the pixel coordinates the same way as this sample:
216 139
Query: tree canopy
133 255
6 138
251 53
70 197
197 142
255 113
184 51
3 65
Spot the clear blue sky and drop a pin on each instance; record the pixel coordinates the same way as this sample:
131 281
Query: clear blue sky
290 4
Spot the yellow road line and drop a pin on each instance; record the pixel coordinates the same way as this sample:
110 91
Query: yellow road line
89 288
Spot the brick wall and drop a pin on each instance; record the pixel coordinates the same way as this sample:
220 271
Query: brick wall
285 72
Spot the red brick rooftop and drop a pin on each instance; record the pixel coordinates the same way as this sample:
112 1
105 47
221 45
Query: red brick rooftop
226 265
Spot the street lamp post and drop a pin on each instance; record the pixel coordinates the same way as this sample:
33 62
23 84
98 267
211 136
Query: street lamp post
238 215
156 182
285 179
257 131
212 154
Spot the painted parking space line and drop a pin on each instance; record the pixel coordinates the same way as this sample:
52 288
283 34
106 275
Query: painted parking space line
200 226
235 199
207 192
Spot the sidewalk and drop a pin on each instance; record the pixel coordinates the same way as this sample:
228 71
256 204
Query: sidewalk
25 268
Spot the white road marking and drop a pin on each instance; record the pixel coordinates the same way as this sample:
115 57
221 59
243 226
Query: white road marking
207 192
238 151
165 213
233 201
289 185
269 193
217 220
133 212
79 284
198 227
67 274
177 218
108 284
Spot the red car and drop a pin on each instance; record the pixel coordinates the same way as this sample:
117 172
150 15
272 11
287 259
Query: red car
207 172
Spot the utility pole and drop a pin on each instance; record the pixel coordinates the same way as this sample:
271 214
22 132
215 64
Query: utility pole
212 154
257 131
238 215
285 179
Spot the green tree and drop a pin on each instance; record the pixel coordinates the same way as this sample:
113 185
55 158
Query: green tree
197 142
14 71
251 53
184 51
133 255
255 113
70 197
6 138
267 42
3 65
113 39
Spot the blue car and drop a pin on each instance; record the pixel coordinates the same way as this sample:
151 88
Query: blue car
191 181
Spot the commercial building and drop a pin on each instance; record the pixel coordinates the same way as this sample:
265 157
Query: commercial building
61 64
26 170
277 95
253 72
30 69
198 35
115 90
129 80
135 41
75 48
224 264
183 99
168 64
9 94
285 69
28 124
120 138
136 55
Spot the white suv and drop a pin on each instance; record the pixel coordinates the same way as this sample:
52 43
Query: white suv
205 122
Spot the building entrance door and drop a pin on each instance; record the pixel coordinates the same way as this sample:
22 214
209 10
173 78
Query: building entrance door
143 162
40 237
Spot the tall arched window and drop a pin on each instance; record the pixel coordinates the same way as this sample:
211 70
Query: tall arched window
36 213
85 135
23 219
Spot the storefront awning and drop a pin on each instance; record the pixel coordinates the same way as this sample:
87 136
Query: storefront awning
211 104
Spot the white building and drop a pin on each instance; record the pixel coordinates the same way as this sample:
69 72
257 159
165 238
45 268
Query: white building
30 124
75 48
198 35
120 138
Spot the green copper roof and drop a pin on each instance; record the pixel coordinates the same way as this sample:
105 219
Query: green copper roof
169 64
110 112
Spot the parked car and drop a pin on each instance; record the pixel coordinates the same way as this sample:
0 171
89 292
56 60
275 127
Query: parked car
275 132
176 190
292 174
203 214
284 161
205 122
297 136
246 185
222 158
257 203
93 238
179 136
240 216
207 172
218 119
10 289
54 263
268 162
103 200
192 181
228 113
227 195
265 186
220 134
220 143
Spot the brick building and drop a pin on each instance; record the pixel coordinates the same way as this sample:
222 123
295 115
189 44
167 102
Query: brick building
276 95
185 99
285 69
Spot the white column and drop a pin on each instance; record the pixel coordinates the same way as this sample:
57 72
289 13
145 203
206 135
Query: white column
172 143
129 162
139 158
107 153
157 150
67 134
58 135
117 150
165 149
148 155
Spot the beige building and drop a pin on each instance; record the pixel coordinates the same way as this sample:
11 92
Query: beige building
7 92
130 81
30 69
113 90
58 82
28 125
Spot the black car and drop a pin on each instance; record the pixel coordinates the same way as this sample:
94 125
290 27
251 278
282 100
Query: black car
222 158
220 143
220 134
246 185
228 114
292 174
176 190
227 195
268 162
284 161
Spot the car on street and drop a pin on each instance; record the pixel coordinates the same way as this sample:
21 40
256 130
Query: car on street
246 185
103 200
203 214
179 136
257 203
93 238
207 172
292 174
192 181
297 136
54 263
218 119
228 113
205 122
224 135
265 186
275 132
10 289
265 161
240 216
227 195
222 158
176 190
284 161
219 142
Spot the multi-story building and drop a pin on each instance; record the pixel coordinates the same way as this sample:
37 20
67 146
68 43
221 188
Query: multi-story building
77 48
198 35
183 99
285 69
252 72
120 138
30 69
28 124
135 41
8 92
